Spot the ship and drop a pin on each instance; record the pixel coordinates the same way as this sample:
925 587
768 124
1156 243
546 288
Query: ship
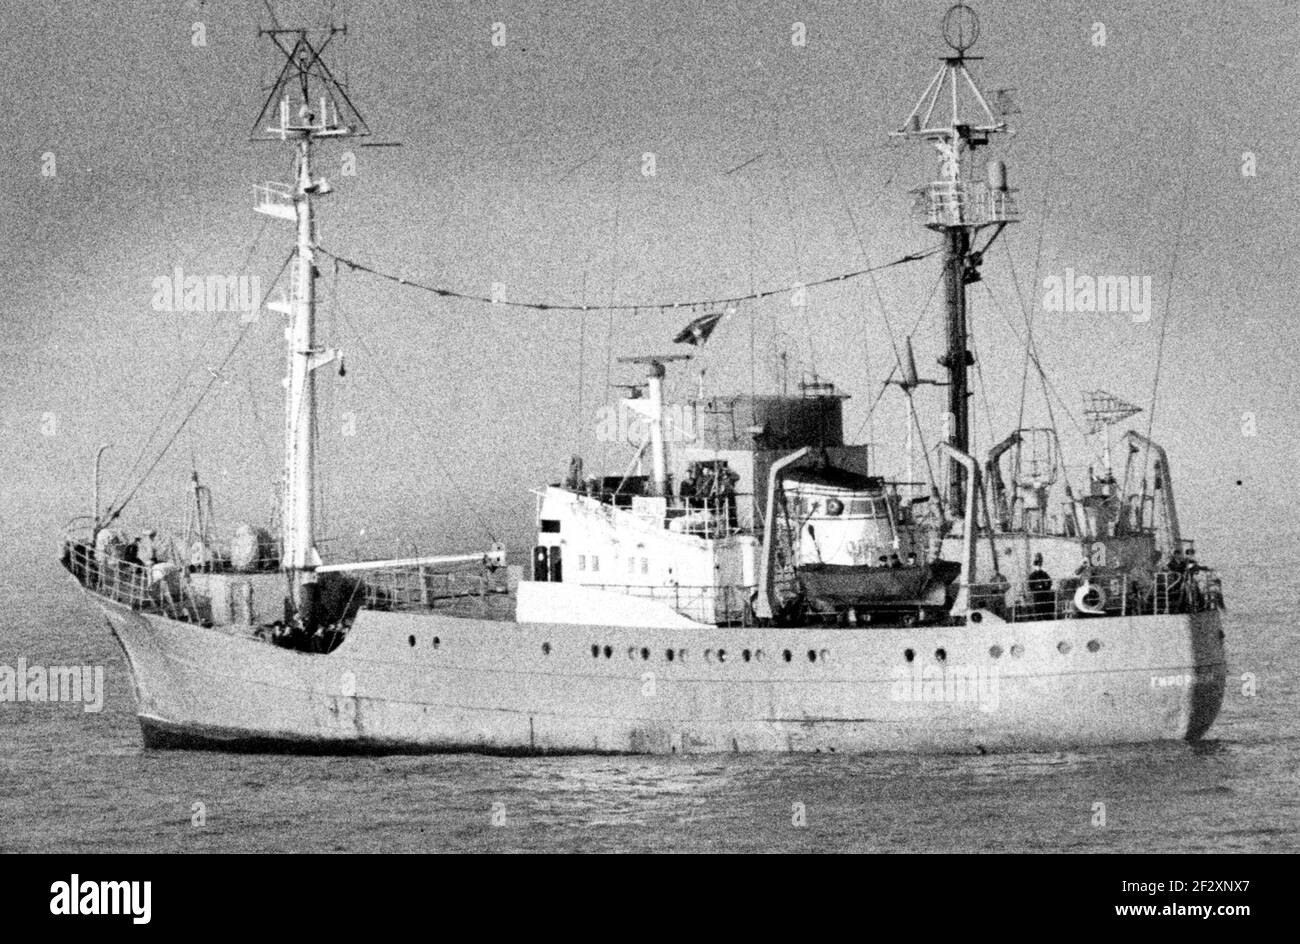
759 587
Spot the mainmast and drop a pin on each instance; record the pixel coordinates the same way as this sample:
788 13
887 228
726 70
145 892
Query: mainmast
954 116
306 104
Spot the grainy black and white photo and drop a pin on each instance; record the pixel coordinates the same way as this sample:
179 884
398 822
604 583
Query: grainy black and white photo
619 426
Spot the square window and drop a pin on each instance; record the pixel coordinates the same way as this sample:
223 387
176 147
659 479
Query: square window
595 562
582 561
645 565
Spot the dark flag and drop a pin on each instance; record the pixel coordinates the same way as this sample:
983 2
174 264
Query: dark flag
698 331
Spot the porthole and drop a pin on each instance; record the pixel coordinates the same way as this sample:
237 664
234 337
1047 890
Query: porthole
1094 645
1063 647
681 655
995 652
812 655
977 617
631 652
411 640
909 654
786 655
722 655
941 654
595 651
1017 651
645 654
668 654
759 655
436 642
824 654
745 655
609 652
708 655
546 648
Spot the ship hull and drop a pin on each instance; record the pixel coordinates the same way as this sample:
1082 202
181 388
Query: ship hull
425 683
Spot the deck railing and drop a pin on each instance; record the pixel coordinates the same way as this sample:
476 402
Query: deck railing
163 588
1120 595
408 588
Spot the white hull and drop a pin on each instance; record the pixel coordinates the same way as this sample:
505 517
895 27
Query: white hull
489 686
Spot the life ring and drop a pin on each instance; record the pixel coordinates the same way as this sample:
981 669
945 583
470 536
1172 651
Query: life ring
1091 599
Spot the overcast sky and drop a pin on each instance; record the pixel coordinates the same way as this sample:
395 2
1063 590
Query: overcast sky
522 165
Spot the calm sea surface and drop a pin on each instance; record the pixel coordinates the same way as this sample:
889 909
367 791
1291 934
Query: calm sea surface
73 781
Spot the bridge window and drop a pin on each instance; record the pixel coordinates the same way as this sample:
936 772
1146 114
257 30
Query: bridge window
550 526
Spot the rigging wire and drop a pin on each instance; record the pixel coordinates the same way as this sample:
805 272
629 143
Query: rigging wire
1038 366
624 307
753 281
582 362
1038 262
862 246
215 375
797 237
1164 320
609 320
173 397
984 390
898 364
186 374
433 451
212 380
1169 292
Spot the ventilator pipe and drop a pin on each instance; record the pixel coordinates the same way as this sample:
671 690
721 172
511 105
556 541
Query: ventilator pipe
765 604
993 473
1162 468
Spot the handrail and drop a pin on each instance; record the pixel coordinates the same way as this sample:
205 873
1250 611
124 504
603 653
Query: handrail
419 587
162 587
1159 594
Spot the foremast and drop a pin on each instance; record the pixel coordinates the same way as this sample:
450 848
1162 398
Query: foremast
954 116
305 106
